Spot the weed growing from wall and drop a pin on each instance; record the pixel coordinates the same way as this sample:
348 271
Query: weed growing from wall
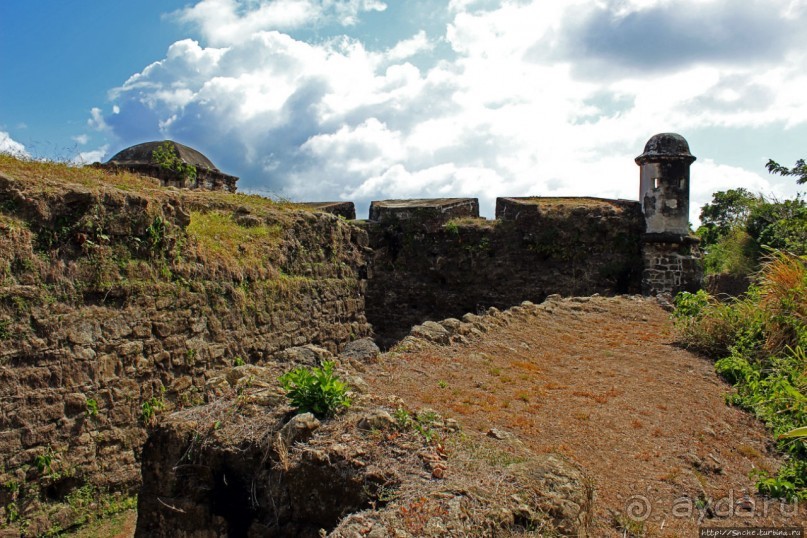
150 408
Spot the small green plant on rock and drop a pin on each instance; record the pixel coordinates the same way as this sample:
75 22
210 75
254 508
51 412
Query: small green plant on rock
150 408
452 227
402 418
156 234
44 462
92 407
5 333
315 390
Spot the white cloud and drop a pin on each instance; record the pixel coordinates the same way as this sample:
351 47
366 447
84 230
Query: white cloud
81 139
11 146
225 22
519 101
409 47
97 120
89 157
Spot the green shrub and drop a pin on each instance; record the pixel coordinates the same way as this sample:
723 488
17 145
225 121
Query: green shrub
790 483
734 253
166 157
707 325
734 369
452 227
315 390
690 305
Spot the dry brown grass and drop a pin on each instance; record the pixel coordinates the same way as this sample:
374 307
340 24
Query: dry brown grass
630 417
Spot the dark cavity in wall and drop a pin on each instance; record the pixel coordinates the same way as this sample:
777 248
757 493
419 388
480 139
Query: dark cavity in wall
231 500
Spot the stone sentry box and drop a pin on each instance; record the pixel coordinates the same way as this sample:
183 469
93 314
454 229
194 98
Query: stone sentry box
672 260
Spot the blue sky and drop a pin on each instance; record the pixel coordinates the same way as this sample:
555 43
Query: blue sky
368 99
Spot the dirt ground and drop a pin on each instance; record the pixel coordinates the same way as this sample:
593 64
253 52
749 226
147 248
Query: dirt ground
601 382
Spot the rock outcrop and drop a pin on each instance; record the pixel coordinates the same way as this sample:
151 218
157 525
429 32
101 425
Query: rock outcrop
238 468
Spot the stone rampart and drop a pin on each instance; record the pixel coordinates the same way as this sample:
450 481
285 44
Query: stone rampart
431 262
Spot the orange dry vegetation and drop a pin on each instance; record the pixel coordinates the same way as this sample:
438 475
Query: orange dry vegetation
599 381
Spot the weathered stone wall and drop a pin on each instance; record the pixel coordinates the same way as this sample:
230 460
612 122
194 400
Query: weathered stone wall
670 267
423 269
114 305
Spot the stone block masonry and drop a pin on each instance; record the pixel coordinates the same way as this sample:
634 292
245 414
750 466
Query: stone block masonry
670 267
444 265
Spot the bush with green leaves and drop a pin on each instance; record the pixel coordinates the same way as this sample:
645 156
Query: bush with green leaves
316 390
166 157
690 305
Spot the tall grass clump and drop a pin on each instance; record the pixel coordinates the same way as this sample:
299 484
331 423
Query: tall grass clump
760 342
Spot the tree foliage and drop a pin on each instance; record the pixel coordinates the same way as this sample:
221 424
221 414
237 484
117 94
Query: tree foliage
799 170
728 209
739 227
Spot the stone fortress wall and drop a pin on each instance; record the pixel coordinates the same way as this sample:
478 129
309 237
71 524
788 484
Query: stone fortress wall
412 261
434 259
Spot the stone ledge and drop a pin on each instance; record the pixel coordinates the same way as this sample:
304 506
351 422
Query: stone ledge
513 208
425 210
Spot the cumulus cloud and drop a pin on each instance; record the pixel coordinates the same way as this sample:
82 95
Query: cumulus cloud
540 98
11 146
97 121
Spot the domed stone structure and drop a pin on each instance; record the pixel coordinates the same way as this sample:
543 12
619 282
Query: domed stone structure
141 159
664 183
